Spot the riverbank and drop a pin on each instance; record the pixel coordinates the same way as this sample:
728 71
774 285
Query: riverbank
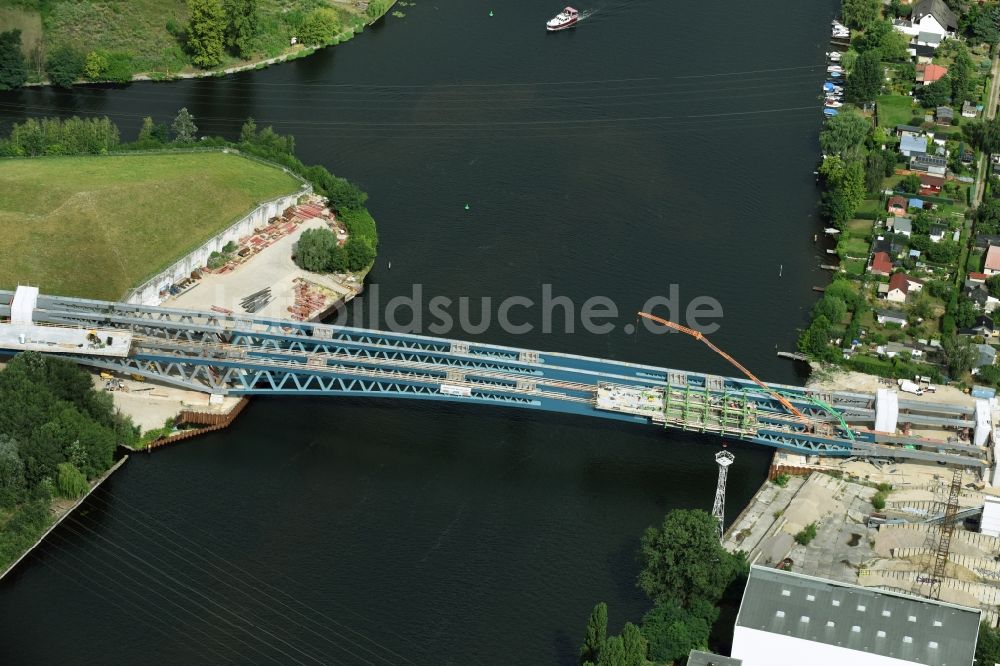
902 181
60 509
151 41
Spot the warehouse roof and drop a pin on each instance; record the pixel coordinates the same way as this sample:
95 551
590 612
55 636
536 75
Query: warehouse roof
922 631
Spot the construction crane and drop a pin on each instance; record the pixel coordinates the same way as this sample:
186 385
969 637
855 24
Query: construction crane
697 335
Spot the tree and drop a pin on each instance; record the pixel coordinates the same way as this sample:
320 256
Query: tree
613 653
875 167
13 66
206 30
831 307
993 284
360 253
961 355
937 93
248 132
12 484
860 13
597 634
960 74
243 25
70 482
844 133
815 340
982 25
988 646
96 65
672 631
910 183
682 560
185 131
635 645
320 26
65 66
865 81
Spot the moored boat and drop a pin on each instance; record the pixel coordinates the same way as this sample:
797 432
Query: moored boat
567 18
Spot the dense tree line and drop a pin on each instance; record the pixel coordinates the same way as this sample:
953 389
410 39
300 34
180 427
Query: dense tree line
56 431
686 573
57 136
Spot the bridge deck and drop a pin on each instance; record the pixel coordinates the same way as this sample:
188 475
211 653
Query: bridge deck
246 355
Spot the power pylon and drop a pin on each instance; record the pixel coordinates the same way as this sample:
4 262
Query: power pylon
724 459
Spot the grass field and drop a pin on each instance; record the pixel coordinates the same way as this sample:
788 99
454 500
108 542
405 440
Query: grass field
98 226
895 110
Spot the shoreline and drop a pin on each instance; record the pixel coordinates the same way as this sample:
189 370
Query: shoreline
94 486
295 52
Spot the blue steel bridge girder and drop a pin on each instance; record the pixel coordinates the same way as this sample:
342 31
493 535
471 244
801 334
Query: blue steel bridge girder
250 355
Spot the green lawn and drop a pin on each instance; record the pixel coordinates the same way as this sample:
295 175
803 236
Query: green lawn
860 228
856 247
895 110
98 226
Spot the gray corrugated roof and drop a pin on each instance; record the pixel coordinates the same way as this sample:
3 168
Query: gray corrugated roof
699 658
922 631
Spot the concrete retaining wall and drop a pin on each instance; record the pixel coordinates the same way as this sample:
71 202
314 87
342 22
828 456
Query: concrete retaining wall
148 293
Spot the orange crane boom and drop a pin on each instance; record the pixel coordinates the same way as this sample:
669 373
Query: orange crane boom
697 335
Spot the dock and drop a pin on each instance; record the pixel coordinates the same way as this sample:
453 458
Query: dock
795 356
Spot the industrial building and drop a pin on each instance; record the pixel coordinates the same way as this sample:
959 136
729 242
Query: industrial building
789 619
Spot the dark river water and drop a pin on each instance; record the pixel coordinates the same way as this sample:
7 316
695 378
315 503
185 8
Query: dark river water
657 144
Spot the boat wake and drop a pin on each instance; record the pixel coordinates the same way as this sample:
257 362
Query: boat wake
610 9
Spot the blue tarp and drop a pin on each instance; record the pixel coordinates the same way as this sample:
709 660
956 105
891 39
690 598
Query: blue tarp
916 203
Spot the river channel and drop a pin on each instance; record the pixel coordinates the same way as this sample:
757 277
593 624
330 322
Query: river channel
657 146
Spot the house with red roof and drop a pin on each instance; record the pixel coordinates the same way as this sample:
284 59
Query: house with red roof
897 206
902 285
881 264
928 74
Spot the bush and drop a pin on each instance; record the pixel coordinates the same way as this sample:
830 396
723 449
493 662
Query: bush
120 68
878 501
806 535
65 66
320 26
96 65
781 480
376 8
70 482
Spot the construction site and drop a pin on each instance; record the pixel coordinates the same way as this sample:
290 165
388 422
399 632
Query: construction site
257 275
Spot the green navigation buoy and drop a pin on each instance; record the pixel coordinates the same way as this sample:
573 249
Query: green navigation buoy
491 12
466 206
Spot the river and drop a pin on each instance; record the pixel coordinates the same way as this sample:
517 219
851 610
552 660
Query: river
656 144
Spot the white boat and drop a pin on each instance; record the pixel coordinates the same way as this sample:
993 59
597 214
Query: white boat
567 18
834 56
831 103
835 68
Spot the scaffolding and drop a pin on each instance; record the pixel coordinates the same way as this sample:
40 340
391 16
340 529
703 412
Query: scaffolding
724 459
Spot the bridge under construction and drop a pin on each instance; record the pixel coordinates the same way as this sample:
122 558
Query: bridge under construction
228 354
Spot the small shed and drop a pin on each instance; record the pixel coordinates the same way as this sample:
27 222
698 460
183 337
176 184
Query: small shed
944 115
